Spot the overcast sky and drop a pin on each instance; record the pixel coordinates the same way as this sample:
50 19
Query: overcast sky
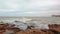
29 7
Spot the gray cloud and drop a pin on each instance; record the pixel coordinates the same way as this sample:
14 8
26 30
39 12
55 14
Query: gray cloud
29 7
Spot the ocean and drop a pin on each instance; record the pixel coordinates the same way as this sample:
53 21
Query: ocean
38 19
